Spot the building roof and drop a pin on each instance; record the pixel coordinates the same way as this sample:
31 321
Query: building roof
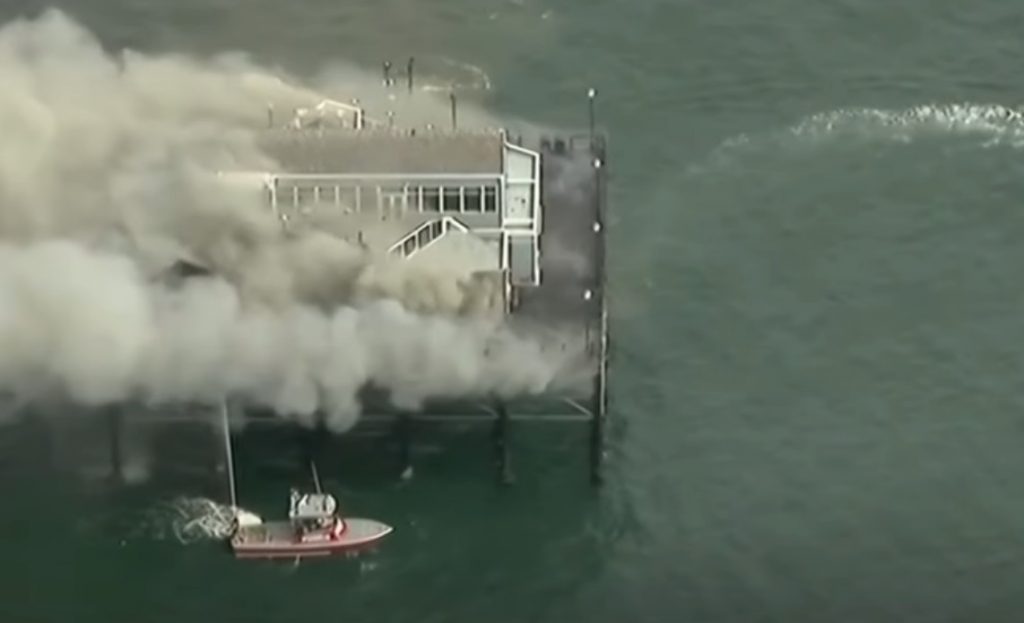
383 151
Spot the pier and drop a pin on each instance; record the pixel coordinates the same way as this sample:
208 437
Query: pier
399 190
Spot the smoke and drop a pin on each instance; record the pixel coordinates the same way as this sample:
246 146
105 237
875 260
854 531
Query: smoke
108 176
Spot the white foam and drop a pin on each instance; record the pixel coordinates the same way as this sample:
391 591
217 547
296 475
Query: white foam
996 124
475 78
189 520
992 119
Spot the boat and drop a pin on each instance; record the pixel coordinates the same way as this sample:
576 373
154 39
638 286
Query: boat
314 526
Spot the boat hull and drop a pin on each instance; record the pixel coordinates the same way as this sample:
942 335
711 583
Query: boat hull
278 540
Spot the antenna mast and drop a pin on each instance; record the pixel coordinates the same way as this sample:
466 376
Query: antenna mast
316 477
229 457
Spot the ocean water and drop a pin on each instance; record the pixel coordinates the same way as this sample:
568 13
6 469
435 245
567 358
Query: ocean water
816 383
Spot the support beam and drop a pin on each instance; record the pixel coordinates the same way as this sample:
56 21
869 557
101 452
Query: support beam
600 399
114 431
597 437
577 416
501 424
404 430
591 94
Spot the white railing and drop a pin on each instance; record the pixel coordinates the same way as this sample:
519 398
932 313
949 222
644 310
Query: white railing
425 235
328 109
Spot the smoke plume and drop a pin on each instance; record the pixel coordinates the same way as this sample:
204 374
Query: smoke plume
108 176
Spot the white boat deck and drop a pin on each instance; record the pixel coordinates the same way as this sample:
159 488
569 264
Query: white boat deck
282 534
276 532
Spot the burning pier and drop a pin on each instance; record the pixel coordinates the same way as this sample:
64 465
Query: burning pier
532 205
537 208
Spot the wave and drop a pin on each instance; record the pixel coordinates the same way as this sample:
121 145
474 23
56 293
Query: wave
998 125
472 78
952 118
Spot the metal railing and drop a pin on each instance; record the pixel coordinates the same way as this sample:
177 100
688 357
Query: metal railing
425 235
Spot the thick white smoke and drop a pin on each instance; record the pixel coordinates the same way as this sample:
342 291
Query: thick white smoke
107 176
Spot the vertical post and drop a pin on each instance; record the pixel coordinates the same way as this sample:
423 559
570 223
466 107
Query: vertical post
229 458
114 430
408 72
272 196
501 443
405 444
387 73
599 410
600 398
451 97
591 94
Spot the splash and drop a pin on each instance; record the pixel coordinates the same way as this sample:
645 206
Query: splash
185 520
190 520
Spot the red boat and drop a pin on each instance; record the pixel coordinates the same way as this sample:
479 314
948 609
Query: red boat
313 528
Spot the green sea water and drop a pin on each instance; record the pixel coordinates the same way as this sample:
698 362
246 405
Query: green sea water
816 383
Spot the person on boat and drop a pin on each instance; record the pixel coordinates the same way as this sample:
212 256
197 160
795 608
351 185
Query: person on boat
337 528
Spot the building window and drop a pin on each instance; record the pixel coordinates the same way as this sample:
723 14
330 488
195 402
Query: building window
431 199
473 201
452 200
305 196
394 200
490 199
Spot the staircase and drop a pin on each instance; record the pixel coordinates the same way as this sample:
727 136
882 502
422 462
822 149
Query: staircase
425 235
